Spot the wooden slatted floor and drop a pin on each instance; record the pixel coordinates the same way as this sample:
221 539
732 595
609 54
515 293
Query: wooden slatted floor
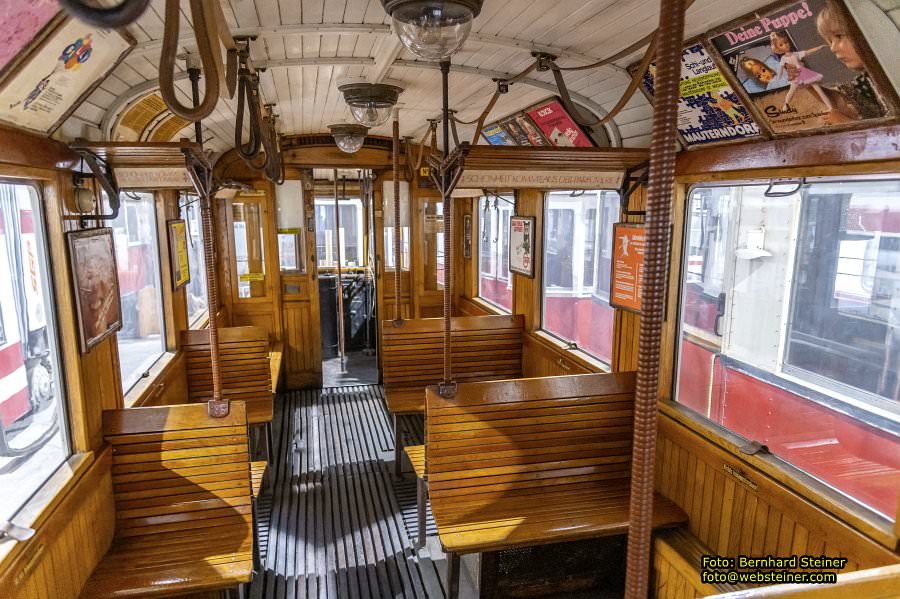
335 524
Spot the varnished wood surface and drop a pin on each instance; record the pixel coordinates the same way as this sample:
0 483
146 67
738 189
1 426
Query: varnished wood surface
874 583
182 487
676 572
246 368
483 348
533 461
851 147
515 158
416 455
27 149
140 154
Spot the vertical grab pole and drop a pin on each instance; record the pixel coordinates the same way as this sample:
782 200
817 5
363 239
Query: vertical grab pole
659 208
217 406
340 281
448 225
398 267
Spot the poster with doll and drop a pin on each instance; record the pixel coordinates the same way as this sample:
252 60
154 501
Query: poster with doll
709 110
804 67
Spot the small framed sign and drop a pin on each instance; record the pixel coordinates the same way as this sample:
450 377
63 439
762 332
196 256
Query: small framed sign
627 277
178 253
521 245
95 278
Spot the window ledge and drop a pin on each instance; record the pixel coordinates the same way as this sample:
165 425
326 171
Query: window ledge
146 387
36 511
489 307
864 520
579 356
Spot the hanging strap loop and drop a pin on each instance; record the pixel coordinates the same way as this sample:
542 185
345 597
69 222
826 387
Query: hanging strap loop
111 17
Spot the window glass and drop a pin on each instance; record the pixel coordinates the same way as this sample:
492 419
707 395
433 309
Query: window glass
249 250
33 435
352 241
433 225
142 340
195 290
388 212
790 327
576 269
494 280
291 227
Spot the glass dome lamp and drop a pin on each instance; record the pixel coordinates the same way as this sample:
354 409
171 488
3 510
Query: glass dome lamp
371 103
349 138
433 29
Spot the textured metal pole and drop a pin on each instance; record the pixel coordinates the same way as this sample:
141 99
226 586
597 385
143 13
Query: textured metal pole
448 225
656 258
398 267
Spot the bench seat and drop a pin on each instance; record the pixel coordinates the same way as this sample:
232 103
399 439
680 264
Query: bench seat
416 455
541 515
681 550
183 499
257 472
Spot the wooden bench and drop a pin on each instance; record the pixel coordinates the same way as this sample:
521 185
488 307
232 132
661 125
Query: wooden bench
246 370
532 461
416 456
682 551
181 482
484 348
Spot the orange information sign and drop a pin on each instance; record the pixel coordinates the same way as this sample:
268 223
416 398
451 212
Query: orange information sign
629 243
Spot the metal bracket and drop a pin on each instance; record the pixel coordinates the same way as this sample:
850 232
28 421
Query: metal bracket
783 194
447 390
107 180
398 323
634 178
753 448
544 61
15 532
218 408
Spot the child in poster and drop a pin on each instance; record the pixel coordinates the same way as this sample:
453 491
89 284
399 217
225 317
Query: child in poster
787 62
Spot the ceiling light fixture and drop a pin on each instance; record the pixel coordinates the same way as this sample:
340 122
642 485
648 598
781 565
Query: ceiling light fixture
371 103
349 138
433 29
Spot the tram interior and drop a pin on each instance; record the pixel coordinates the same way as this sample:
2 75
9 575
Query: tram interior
449 299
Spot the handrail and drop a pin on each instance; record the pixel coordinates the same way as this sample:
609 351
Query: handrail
209 26
877 583
111 17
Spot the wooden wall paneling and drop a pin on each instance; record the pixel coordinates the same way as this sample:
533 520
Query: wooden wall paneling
733 518
541 359
527 292
69 544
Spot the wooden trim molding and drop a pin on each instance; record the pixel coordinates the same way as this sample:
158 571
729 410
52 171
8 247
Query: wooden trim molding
28 149
878 148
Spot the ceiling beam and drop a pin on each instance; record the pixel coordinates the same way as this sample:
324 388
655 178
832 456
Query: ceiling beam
389 49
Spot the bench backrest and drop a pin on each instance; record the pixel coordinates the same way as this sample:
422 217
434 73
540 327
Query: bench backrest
175 468
507 435
246 370
483 348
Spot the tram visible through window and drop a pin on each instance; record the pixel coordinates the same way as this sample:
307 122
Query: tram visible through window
33 432
142 339
790 326
494 280
577 261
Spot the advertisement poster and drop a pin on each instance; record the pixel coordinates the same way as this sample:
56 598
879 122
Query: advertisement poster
521 245
629 244
20 22
65 67
556 124
708 108
524 132
804 67
178 249
496 135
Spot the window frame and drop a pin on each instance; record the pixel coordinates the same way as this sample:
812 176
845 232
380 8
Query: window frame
551 336
511 200
74 463
357 204
201 321
848 509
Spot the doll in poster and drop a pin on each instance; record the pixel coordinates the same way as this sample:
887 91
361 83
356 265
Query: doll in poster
799 74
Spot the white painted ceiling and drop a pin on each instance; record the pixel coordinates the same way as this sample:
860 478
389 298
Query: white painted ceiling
307 46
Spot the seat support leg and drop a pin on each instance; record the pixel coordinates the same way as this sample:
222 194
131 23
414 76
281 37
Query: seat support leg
398 449
452 576
421 501
270 457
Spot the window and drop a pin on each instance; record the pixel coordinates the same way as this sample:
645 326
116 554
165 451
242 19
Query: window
249 249
576 269
291 227
494 280
195 290
33 432
433 226
351 238
790 326
142 340
388 211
